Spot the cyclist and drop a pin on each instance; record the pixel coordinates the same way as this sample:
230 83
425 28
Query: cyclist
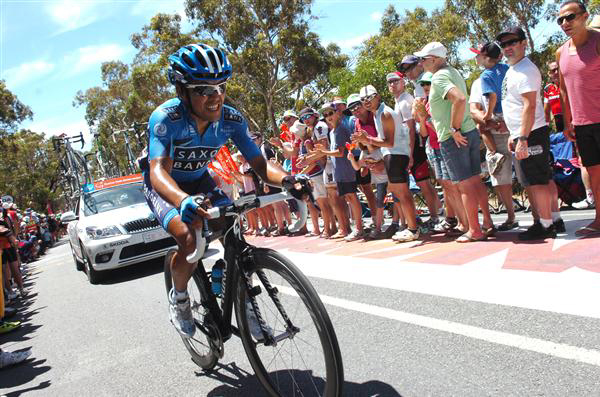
185 134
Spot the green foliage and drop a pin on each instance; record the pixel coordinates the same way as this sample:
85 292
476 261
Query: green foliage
273 52
28 169
12 111
399 36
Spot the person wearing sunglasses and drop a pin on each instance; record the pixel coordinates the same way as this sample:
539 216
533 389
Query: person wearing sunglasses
458 137
552 100
343 173
524 117
579 67
412 69
185 134
395 143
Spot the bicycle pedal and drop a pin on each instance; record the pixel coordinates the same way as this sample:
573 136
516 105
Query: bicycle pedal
254 291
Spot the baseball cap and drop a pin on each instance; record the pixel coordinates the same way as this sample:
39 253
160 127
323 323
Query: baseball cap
326 106
426 78
433 49
489 49
289 113
352 99
516 30
307 112
394 76
367 91
339 101
407 61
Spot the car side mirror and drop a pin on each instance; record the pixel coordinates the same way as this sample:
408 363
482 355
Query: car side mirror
68 216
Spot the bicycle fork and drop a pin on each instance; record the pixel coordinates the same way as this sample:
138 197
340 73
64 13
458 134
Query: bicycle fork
253 291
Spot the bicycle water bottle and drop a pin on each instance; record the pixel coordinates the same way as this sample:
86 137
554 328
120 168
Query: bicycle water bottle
535 150
217 277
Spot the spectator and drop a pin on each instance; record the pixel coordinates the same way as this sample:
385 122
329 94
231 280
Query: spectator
343 173
395 143
363 120
579 68
459 139
495 135
524 115
419 169
552 106
318 133
412 68
454 206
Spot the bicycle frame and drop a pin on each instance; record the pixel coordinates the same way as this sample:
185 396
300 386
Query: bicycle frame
237 250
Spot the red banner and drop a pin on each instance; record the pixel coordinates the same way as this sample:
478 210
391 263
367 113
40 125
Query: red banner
226 177
226 161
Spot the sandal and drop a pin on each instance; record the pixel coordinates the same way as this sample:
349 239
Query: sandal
489 231
508 225
465 238
312 234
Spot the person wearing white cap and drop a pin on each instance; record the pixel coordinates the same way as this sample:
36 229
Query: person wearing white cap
396 146
458 137
343 172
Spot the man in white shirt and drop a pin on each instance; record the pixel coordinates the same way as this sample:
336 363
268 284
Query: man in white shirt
529 132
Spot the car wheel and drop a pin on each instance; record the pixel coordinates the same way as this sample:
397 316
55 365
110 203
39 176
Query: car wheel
94 276
78 263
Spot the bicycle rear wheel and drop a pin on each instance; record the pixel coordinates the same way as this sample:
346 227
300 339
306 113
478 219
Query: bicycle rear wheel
306 358
203 348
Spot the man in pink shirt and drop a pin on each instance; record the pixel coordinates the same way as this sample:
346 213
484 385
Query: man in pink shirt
579 68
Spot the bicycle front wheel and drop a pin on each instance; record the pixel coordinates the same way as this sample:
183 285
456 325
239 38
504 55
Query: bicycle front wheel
203 348
305 357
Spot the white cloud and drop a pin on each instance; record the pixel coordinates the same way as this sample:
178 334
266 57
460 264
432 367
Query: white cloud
26 72
376 16
349 43
149 8
86 57
74 14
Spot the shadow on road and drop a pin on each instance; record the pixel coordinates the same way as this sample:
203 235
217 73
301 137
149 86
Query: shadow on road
237 382
134 272
23 374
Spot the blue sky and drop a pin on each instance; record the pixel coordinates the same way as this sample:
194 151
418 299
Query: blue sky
51 49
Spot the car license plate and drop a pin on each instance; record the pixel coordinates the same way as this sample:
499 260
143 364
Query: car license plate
153 236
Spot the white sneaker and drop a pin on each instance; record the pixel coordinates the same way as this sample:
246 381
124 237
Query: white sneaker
8 358
180 313
254 325
495 162
584 205
406 235
355 235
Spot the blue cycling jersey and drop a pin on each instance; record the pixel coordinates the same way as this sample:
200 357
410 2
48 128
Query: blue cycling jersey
173 134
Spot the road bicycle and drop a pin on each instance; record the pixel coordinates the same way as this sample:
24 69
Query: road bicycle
286 332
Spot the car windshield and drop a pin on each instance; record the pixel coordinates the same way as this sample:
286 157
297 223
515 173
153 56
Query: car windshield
112 198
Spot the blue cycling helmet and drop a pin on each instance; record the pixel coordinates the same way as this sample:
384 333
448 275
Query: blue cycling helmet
198 63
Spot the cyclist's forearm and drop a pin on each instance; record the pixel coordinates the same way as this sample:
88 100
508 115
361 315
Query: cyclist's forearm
268 172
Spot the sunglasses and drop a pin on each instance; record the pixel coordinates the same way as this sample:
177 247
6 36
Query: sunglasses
567 18
328 113
207 89
368 98
306 117
504 44
423 84
354 107
405 69
393 82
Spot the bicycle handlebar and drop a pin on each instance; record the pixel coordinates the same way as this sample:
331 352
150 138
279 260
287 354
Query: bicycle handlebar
243 205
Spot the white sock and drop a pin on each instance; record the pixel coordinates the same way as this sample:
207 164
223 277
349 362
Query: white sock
546 223
555 216
180 295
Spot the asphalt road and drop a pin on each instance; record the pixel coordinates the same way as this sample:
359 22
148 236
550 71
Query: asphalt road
115 339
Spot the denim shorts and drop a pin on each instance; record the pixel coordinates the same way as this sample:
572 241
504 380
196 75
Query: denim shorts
437 163
465 161
380 194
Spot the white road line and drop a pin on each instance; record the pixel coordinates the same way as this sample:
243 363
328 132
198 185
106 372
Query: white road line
559 350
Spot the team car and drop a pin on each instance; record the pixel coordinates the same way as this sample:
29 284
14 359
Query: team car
112 227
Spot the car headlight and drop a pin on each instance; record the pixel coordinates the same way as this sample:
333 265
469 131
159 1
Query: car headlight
102 232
